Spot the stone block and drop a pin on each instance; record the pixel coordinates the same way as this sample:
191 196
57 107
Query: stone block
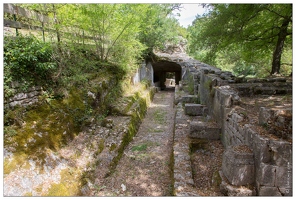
268 191
237 118
264 115
261 149
286 191
249 135
281 152
194 109
266 174
238 165
204 130
227 96
231 190
283 177
33 94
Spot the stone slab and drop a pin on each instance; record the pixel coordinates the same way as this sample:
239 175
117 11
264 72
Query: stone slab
204 130
193 109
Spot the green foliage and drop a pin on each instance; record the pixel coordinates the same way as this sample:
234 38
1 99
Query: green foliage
141 147
9 131
119 33
111 29
254 33
28 62
158 26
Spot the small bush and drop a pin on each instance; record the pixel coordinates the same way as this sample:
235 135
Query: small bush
28 62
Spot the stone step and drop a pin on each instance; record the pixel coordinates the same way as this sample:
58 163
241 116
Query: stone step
204 130
193 109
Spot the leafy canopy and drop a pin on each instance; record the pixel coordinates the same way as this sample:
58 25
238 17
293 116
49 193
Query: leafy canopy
250 31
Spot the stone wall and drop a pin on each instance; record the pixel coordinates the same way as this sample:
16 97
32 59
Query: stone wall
270 158
144 72
24 98
254 163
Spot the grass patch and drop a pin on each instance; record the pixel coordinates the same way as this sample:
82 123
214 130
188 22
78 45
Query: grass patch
141 147
159 116
155 130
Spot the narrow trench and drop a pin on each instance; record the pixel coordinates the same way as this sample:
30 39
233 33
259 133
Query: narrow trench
206 161
172 159
146 167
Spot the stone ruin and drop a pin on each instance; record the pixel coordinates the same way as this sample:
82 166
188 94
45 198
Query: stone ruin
251 117
253 120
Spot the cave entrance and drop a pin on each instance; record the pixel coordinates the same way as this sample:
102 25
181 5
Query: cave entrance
166 74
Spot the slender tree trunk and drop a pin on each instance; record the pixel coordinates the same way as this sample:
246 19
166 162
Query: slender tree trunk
277 54
103 35
56 24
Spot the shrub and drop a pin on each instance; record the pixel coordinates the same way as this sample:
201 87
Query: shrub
28 62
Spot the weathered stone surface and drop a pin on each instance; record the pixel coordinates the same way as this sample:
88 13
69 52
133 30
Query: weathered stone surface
283 177
269 191
264 115
261 149
238 167
204 130
286 191
281 152
194 109
266 174
230 190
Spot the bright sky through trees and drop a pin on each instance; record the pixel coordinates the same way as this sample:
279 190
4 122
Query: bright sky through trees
188 13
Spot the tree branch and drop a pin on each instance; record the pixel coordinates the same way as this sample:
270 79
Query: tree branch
285 17
117 38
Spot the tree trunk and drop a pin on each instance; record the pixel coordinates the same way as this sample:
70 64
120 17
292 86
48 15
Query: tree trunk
277 54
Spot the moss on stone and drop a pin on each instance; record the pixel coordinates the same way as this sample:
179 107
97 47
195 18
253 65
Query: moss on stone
58 190
101 146
216 179
47 125
69 184
28 194
17 160
141 100
51 124
112 147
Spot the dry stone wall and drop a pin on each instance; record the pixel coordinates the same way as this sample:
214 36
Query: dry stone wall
24 98
264 136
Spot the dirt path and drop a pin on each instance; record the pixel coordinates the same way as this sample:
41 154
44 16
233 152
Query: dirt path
145 168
